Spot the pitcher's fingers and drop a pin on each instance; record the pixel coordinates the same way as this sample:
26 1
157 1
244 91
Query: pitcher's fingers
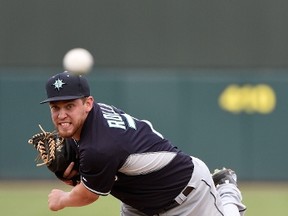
72 174
68 170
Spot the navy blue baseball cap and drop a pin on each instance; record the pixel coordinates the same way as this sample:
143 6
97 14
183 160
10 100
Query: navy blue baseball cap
66 86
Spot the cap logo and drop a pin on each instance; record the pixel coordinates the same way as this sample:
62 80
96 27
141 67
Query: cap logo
58 84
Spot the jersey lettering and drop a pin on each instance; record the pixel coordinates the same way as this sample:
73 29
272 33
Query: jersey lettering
130 121
116 124
113 119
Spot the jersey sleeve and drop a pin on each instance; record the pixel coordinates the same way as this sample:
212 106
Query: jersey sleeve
98 172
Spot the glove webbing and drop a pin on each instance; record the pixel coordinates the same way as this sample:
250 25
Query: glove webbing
46 151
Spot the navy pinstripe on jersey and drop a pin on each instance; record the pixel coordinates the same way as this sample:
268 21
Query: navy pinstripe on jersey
126 157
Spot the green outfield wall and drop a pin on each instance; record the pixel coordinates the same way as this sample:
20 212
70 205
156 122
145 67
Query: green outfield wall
236 120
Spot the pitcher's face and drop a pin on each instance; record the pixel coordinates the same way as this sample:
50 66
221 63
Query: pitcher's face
69 116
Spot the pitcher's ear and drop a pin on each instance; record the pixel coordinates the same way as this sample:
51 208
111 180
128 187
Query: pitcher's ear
89 101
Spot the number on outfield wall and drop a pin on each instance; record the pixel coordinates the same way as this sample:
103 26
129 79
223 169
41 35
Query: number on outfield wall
248 98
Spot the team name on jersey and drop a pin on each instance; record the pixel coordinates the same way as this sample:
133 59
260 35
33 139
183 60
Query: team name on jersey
113 119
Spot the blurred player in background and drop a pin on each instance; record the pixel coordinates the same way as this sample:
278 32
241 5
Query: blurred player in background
127 158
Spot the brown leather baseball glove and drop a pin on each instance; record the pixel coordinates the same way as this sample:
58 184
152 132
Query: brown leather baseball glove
55 153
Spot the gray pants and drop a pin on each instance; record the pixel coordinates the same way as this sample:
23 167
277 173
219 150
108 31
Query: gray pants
204 200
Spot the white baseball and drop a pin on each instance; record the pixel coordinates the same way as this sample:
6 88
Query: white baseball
78 61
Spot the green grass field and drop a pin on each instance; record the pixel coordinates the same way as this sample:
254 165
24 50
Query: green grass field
30 198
